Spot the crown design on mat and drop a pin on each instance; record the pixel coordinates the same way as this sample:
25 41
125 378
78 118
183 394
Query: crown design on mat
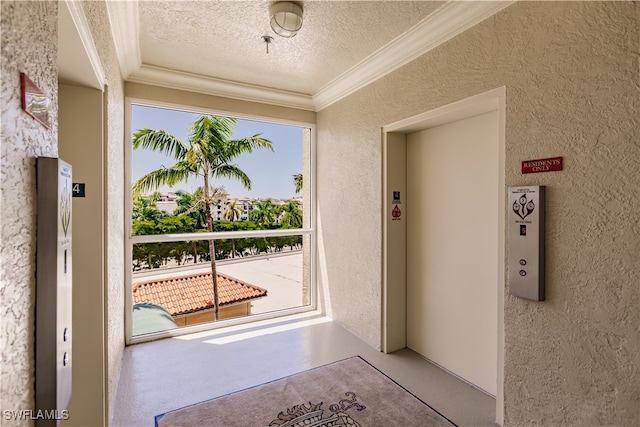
345 404
299 415
312 415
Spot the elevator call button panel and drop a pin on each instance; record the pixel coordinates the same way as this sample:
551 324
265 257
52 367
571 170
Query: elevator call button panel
526 242
54 289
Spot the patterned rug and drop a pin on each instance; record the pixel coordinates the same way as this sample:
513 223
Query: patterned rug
350 392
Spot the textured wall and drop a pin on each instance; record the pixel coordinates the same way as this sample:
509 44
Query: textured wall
98 19
572 76
29 34
29 44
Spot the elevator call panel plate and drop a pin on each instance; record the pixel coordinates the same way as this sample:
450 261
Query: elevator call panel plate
526 242
54 334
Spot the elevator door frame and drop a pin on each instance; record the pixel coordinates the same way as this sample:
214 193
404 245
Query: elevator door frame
394 243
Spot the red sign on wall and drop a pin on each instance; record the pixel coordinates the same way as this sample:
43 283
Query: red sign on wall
34 101
542 165
396 213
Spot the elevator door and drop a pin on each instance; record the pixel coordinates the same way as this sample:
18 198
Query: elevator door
452 247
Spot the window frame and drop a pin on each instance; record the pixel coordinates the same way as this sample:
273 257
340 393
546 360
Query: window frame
131 240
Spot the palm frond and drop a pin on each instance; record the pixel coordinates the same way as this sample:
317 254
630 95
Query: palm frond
235 147
164 176
298 182
231 172
159 140
213 129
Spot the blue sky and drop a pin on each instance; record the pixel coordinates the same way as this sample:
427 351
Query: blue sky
271 173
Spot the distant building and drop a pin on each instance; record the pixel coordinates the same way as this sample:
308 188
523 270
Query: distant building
168 203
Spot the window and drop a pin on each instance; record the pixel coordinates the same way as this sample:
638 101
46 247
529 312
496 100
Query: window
220 220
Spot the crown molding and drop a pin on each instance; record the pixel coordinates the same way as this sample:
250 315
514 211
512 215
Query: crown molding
125 30
453 18
450 20
172 79
79 19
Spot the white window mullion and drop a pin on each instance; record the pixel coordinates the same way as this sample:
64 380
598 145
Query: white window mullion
157 238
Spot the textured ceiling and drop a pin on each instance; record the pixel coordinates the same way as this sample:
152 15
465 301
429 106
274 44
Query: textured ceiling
215 47
223 39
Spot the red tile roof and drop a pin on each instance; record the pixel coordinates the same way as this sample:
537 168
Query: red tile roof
187 294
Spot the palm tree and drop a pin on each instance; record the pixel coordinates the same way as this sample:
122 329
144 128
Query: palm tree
188 205
291 215
233 213
146 218
194 205
297 180
208 153
144 209
264 213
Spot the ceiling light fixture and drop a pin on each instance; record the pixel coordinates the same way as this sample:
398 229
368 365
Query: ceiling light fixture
286 18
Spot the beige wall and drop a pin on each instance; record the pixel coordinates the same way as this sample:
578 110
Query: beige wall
226 312
395 253
572 78
31 50
81 144
216 103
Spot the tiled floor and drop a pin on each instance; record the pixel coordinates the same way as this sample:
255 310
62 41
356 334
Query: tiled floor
160 376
